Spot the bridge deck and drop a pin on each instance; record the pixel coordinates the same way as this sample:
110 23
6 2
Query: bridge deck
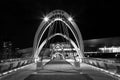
58 70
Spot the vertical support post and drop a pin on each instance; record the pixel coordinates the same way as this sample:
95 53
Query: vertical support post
98 65
11 66
40 63
106 66
118 69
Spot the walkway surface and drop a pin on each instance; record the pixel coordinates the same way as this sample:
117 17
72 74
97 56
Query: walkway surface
58 70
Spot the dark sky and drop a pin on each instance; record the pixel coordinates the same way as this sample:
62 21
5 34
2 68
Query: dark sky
21 18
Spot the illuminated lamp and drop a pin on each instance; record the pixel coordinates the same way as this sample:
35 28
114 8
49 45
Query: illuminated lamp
46 19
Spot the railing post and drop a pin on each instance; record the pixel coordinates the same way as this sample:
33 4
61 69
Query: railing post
98 65
93 63
118 69
11 66
106 66
0 68
18 64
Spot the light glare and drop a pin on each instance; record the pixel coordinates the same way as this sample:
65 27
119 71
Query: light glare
70 18
46 19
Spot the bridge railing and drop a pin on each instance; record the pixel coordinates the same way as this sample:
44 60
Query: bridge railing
106 64
9 64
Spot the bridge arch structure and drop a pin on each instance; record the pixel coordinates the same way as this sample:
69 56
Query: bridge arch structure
62 16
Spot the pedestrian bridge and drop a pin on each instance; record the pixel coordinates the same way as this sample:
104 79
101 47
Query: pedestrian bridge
58 54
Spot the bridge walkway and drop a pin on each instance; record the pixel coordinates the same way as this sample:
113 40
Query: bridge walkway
58 70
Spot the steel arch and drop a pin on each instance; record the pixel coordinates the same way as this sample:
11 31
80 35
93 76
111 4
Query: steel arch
64 36
56 16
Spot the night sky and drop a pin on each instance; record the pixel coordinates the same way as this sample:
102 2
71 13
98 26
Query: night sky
21 18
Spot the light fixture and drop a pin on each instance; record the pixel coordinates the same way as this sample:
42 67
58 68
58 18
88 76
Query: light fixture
46 19
70 19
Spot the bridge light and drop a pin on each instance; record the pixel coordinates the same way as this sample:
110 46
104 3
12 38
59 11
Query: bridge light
46 19
70 19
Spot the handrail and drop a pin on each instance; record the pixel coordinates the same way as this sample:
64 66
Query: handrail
10 64
105 60
106 64
15 59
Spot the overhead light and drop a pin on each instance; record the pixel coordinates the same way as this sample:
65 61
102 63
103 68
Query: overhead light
70 19
46 19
